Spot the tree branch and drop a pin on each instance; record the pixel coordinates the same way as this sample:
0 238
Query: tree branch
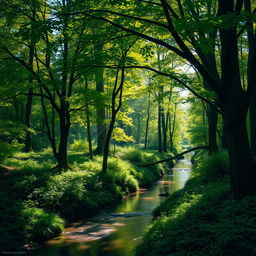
172 77
169 159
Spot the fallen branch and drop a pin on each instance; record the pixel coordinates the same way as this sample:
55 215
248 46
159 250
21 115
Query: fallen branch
169 159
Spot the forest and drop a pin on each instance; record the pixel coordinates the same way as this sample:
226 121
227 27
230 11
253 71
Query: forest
128 127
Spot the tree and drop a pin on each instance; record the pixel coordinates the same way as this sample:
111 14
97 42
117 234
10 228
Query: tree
233 99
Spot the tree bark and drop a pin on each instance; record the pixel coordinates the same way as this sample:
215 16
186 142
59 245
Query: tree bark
138 128
164 130
101 115
117 93
172 128
235 104
224 140
63 145
147 123
160 145
212 116
253 126
28 140
242 164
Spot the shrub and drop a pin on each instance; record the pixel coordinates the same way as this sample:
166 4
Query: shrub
80 146
8 149
40 225
212 167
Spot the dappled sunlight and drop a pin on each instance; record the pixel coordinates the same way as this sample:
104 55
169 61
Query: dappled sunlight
148 198
166 182
90 232
114 245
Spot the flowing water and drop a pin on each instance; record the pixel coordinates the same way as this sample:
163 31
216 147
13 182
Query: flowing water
117 230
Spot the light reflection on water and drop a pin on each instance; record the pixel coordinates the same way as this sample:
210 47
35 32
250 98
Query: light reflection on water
105 235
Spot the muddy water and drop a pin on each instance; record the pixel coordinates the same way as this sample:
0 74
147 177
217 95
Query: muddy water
117 231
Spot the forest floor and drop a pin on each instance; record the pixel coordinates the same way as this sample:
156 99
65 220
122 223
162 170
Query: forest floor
203 218
35 201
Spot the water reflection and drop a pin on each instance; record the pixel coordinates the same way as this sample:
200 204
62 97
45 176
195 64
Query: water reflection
110 234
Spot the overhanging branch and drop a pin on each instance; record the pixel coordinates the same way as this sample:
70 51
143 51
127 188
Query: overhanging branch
181 154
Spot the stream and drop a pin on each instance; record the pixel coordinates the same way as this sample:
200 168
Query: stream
116 231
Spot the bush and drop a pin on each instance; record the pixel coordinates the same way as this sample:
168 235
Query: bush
212 167
80 146
40 225
8 149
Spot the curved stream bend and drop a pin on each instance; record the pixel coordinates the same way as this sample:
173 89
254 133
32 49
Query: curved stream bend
117 232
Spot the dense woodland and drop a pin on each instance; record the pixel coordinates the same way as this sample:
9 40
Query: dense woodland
92 90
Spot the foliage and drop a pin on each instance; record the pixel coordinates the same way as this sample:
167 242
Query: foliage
80 146
8 149
33 197
41 225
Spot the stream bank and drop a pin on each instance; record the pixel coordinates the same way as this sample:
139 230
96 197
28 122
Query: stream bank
203 218
117 230
41 198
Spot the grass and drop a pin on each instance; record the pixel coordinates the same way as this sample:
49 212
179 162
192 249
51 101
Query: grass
203 219
42 198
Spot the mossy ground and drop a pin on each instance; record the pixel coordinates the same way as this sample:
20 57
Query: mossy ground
203 219
35 200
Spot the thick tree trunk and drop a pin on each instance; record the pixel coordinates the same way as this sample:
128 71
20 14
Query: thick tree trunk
235 103
212 115
63 145
253 126
242 164
224 139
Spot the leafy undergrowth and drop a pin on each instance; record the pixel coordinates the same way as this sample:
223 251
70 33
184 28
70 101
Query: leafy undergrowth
41 198
203 219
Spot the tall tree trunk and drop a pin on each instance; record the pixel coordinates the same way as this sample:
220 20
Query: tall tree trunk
116 94
224 139
242 164
138 128
235 105
212 116
147 123
88 128
164 130
251 74
28 140
160 145
63 145
172 128
253 126
204 125
101 114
